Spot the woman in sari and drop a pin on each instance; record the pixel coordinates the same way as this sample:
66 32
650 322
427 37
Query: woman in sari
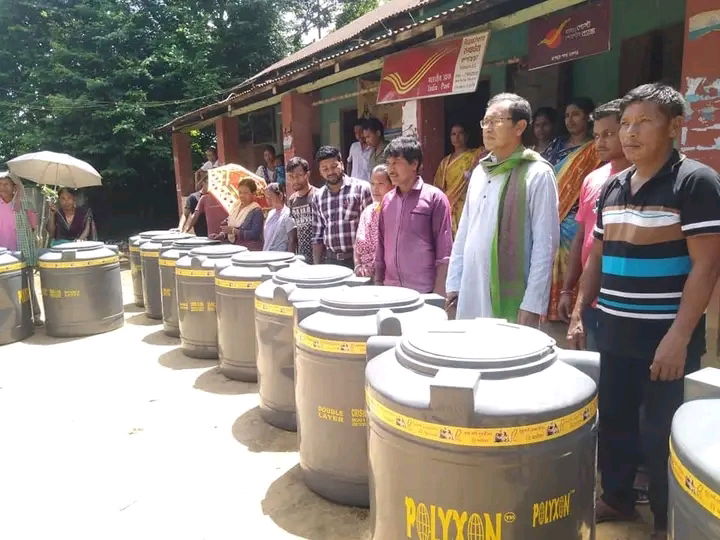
573 157
453 173
244 225
70 222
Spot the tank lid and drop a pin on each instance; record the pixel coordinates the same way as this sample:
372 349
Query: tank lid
477 344
146 235
77 246
3 250
696 439
370 297
219 251
191 242
313 275
261 258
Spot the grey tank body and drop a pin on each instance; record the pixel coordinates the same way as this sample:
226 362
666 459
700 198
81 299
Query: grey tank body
150 263
478 431
694 472
330 349
167 261
134 243
235 296
195 285
15 311
81 288
274 314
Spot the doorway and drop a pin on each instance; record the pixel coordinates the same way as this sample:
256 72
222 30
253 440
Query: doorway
347 134
468 110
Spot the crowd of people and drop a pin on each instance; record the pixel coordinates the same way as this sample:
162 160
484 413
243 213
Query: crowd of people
604 234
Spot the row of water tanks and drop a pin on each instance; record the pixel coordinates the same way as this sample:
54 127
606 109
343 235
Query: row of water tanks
465 429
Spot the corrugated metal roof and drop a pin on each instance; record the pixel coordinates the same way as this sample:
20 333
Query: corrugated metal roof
346 33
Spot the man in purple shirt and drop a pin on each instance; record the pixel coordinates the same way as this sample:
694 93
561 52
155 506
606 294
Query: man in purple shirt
415 228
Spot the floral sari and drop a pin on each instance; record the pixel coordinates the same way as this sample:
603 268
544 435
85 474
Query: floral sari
452 178
573 166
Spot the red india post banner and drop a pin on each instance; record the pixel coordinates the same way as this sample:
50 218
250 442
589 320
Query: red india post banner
701 81
450 66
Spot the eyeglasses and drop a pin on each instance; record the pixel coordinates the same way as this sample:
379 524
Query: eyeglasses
487 122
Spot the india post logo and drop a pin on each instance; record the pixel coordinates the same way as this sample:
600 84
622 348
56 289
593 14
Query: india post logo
553 38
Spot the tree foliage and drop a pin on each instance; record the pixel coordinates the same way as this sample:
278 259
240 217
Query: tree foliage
314 18
94 78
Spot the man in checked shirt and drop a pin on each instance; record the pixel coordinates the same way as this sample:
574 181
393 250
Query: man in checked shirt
336 210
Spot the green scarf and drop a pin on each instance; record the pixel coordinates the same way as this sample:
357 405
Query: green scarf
507 254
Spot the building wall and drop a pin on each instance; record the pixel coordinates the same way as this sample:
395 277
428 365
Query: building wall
330 113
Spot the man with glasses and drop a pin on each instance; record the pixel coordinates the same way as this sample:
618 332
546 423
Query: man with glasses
501 261
298 177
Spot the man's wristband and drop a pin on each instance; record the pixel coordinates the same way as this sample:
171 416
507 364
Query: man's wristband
567 291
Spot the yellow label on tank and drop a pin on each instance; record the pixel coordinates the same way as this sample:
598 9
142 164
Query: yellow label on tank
166 291
23 295
191 272
60 293
483 437
167 262
135 249
552 510
273 309
232 284
329 345
427 521
331 414
359 417
52 265
14 267
150 254
691 484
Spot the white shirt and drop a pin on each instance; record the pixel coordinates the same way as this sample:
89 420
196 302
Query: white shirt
270 178
210 165
360 161
469 269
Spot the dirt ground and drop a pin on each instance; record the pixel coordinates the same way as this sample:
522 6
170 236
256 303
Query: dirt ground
121 436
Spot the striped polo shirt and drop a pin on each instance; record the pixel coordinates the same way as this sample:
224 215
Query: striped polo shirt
645 259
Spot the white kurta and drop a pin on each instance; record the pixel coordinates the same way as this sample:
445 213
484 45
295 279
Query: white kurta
469 270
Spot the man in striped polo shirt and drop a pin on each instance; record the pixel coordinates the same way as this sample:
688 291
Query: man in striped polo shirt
653 266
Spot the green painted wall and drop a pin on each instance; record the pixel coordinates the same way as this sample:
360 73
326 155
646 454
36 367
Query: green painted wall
595 76
330 112
598 76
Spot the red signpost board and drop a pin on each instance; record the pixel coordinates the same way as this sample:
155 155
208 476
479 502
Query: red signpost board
569 34
446 67
701 81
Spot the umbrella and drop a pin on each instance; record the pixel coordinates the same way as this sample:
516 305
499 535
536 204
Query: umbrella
55 169
223 183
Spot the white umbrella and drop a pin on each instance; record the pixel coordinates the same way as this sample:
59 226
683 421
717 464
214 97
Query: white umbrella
55 169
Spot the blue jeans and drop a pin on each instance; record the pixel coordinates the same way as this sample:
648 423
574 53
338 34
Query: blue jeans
590 324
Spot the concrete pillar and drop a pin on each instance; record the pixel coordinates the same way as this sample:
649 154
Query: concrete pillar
297 122
431 132
227 133
182 163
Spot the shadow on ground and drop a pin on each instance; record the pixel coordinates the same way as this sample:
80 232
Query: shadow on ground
259 436
299 511
160 338
216 383
132 308
40 337
141 320
175 359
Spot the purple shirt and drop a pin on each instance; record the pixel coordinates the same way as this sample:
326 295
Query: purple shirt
8 233
414 237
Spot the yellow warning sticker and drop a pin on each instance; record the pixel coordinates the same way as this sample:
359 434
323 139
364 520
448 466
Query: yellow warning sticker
273 309
191 272
329 345
53 265
232 284
691 484
483 437
23 295
167 262
14 267
150 254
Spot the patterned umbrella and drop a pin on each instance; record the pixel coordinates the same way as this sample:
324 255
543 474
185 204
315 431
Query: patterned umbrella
223 184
